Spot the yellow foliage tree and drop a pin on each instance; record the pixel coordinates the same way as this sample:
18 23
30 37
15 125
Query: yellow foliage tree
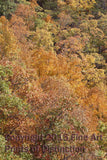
81 4
43 38
8 42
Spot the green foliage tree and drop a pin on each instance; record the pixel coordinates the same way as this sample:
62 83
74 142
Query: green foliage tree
102 23
100 6
9 104
10 155
7 7
48 4
101 153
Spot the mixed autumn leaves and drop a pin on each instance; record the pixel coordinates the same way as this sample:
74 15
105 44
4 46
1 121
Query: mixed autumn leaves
53 74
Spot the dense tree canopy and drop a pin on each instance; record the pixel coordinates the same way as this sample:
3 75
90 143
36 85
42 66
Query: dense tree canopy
53 79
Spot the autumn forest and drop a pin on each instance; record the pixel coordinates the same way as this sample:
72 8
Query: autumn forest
53 79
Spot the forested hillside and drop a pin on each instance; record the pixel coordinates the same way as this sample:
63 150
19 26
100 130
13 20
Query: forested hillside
53 79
